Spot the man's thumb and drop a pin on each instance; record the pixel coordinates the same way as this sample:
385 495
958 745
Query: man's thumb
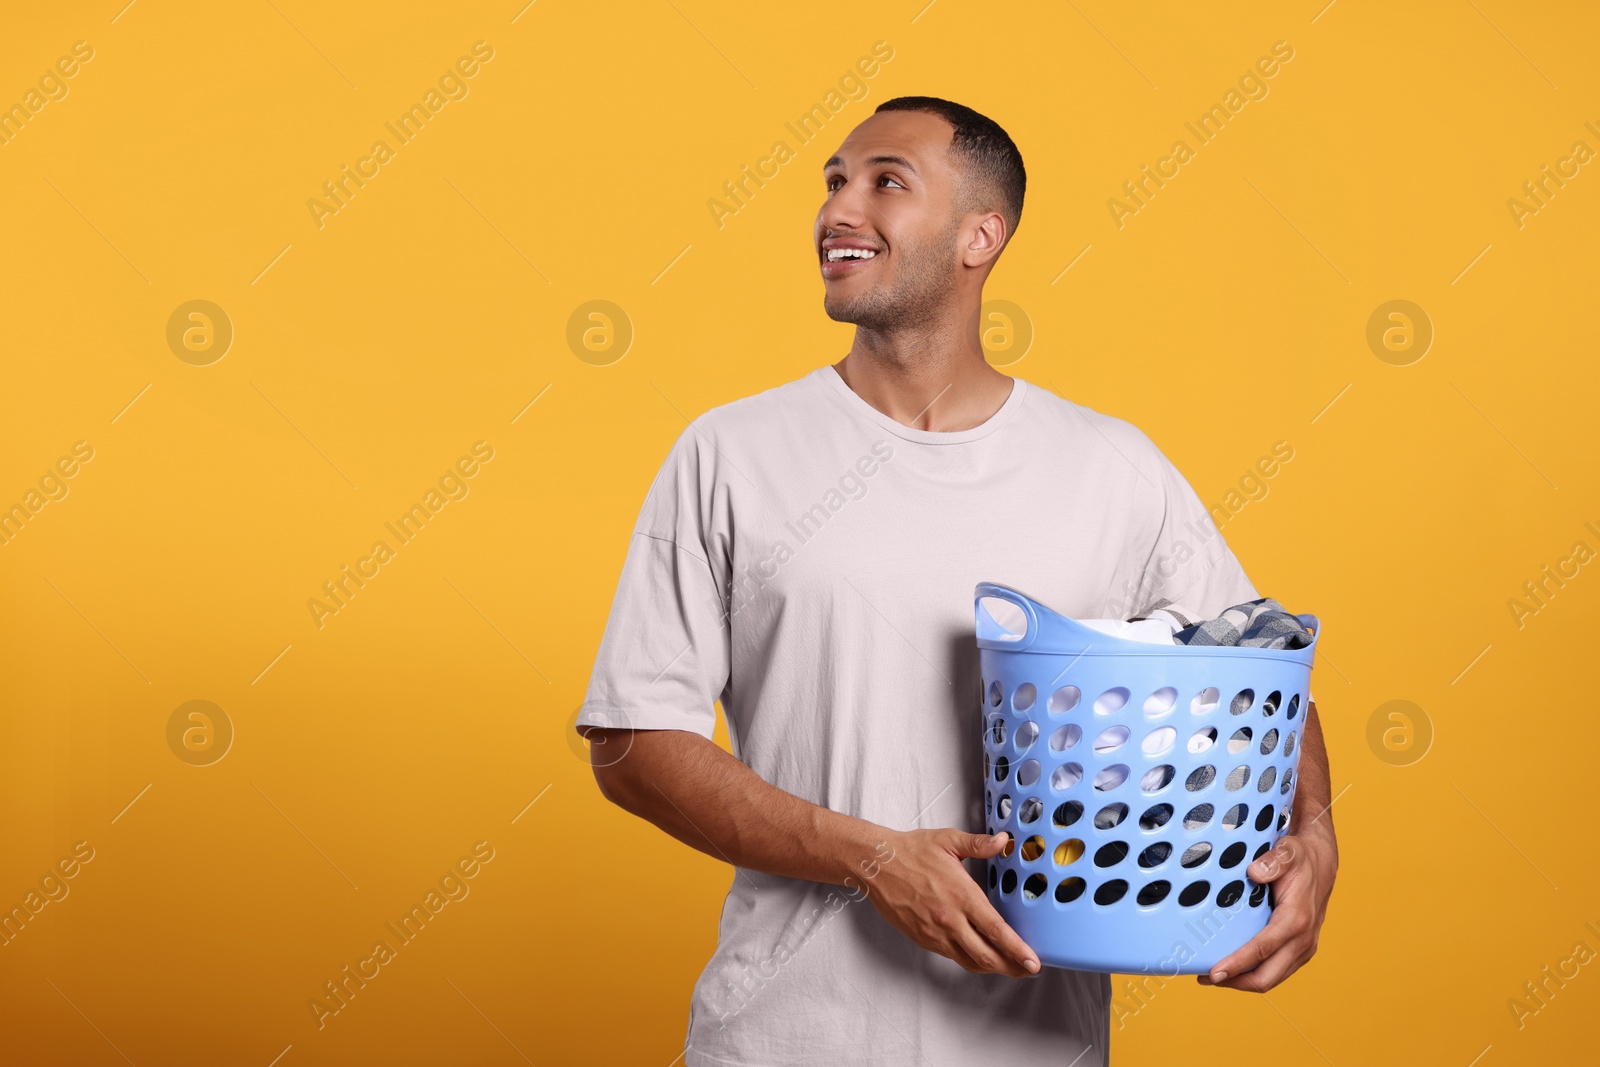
981 846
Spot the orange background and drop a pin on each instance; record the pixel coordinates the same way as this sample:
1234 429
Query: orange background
371 351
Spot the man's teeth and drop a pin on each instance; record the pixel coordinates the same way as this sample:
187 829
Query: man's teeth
836 254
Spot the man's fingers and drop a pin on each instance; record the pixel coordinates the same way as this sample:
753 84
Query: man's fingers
1273 970
977 846
994 930
1288 921
982 952
1277 862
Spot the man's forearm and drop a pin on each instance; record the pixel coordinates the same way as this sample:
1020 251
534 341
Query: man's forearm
704 797
1313 796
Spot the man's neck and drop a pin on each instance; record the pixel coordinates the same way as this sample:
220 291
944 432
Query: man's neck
925 382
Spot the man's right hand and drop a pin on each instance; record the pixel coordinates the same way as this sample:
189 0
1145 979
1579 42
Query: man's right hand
926 893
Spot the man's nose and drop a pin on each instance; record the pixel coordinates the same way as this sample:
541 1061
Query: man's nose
846 209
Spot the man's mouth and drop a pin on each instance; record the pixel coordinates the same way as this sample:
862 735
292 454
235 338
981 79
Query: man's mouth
837 262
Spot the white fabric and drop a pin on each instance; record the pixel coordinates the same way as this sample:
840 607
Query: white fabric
1151 631
810 562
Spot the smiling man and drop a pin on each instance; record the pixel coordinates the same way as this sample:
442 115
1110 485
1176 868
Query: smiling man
807 556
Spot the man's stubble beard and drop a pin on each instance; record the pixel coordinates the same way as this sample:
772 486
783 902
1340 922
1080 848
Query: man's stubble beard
925 281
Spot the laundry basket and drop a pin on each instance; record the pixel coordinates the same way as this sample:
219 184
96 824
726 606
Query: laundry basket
1137 782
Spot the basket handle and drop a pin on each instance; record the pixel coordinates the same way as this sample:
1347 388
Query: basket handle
993 635
1312 623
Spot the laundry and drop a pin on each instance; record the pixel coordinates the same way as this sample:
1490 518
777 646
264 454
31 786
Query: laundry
1260 623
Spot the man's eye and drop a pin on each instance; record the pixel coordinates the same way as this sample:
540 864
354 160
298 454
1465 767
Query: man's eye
886 178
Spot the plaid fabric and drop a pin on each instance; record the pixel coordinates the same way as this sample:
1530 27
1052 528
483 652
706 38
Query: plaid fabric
1256 624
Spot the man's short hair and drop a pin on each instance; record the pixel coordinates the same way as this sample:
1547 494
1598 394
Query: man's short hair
995 177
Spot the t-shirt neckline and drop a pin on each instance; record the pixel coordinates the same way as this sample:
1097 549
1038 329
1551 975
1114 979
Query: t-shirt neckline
837 384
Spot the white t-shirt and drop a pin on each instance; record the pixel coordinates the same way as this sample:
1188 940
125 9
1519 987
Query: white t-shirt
810 562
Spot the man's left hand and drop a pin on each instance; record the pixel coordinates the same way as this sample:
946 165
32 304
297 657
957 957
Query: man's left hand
1301 870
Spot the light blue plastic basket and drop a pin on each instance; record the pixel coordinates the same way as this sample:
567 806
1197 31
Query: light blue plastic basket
1128 849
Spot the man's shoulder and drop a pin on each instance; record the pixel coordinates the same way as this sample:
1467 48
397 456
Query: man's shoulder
758 413
1095 428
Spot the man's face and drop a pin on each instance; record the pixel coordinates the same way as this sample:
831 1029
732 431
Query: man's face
891 194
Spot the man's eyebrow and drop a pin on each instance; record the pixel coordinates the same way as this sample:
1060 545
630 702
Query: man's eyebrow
898 161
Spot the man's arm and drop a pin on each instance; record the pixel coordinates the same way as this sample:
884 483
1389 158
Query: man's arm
704 797
1302 868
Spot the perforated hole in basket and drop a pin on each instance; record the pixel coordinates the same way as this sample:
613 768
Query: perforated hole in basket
1155 855
1112 700
1202 740
1200 778
1027 733
1294 706
1269 706
1229 895
1008 882
1067 813
1066 736
1288 745
1033 848
1269 741
1030 810
1158 741
1239 741
1064 699
1028 773
1069 889
1023 698
1195 854
1242 701
1232 856
994 694
1004 810
1194 893
1155 817
1157 778
1110 739
1034 887
1205 701
1068 852
1198 816
1111 777
1002 768
1235 816
1161 702
1110 816
1066 776
1109 855
1264 818
1287 783
1238 778
997 731
1153 893
1268 776
1111 892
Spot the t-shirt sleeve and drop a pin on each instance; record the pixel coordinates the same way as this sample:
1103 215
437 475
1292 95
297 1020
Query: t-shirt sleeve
1189 565
663 659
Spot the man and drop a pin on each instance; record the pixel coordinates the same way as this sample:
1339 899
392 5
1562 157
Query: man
808 556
